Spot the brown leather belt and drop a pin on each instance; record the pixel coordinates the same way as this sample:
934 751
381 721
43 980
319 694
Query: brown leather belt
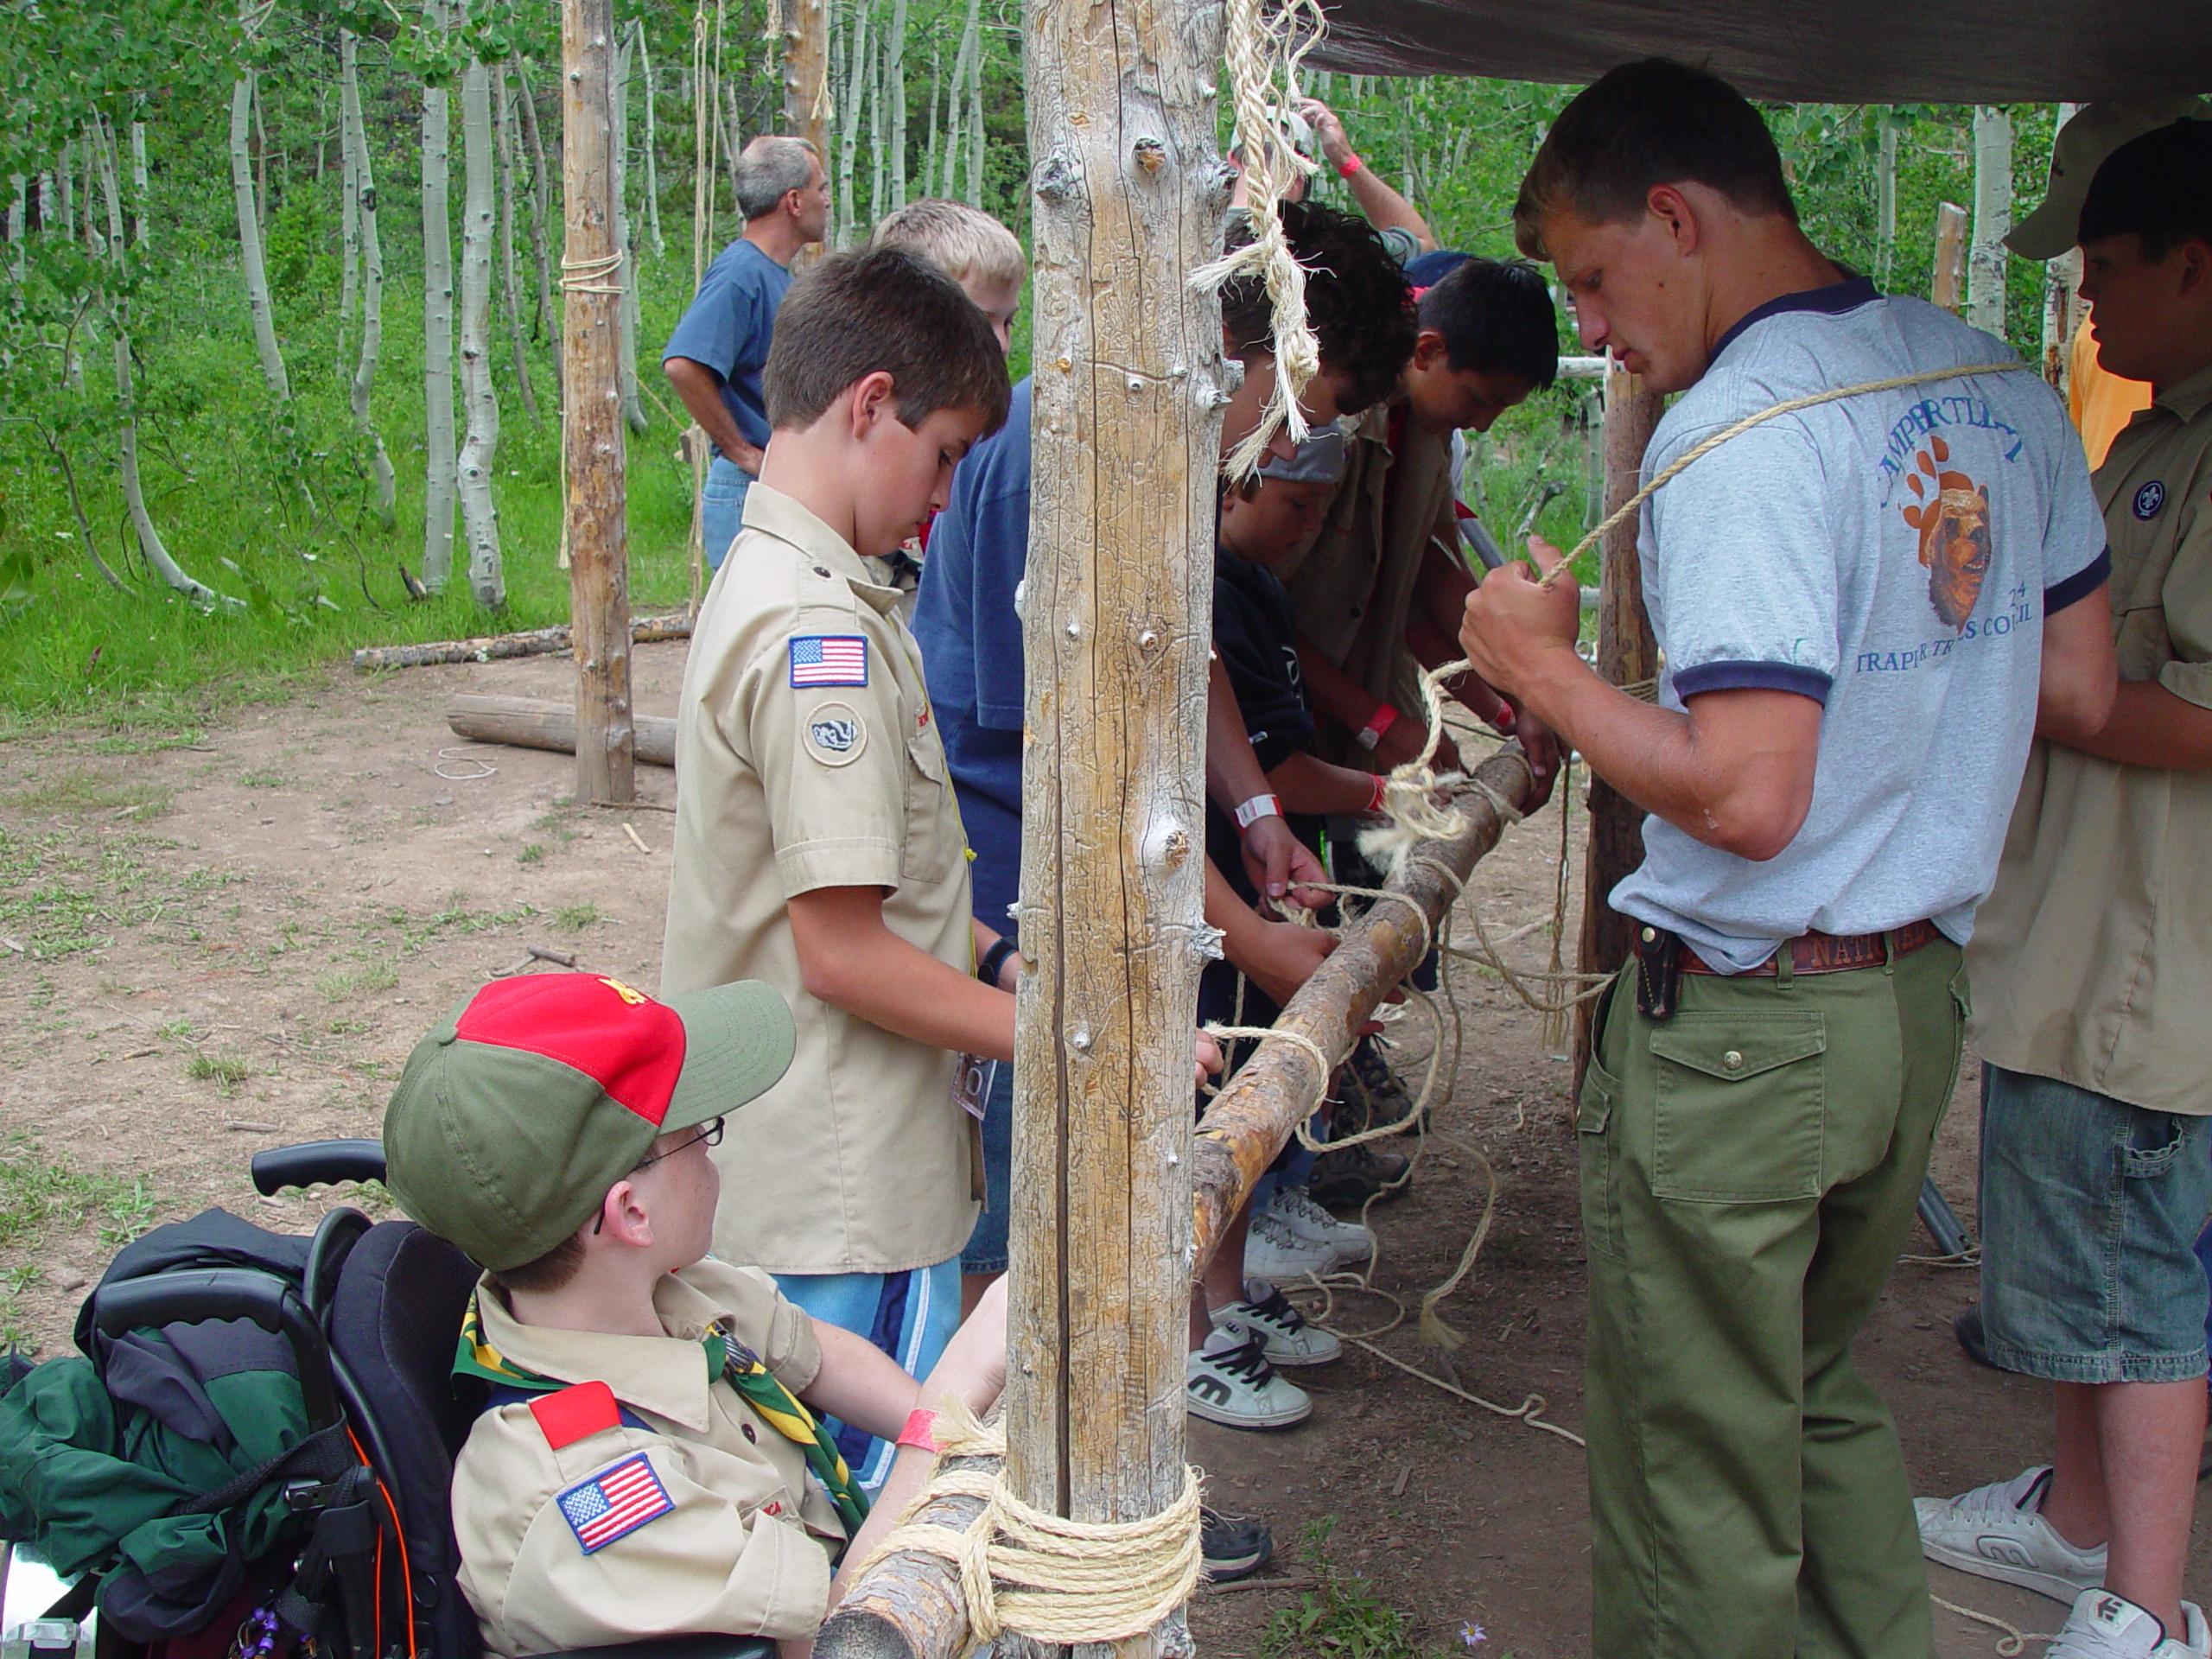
1833 953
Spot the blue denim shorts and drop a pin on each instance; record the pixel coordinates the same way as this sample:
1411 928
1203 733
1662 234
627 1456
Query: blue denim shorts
2090 1210
722 508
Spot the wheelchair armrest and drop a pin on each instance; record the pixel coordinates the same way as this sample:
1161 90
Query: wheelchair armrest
226 1293
692 1646
330 1161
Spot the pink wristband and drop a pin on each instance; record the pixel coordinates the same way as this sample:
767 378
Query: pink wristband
1350 165
1381 789
920 1432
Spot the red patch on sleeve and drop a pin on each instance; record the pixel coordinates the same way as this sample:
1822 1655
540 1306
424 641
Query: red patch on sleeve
575 1414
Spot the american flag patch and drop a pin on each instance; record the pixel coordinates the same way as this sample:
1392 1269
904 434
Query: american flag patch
614 1503
828 659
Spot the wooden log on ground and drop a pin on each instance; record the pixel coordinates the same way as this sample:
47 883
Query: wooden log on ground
1628 654
533 723
1279 1086
598 526
535 642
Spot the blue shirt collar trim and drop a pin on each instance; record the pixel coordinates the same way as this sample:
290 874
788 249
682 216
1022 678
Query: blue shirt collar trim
1832 301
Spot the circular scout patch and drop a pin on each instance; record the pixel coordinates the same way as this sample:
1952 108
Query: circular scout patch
2150 498
835 735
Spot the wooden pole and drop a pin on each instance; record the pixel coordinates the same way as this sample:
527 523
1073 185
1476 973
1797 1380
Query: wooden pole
597 527
1127 197
1278 1085
1627 655
1948 287
806 86
908 1605
530 723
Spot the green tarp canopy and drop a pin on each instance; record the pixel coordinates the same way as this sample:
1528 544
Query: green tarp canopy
1813 51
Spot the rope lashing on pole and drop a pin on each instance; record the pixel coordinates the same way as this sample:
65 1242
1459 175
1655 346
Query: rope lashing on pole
581 277
1028 1572
1791 406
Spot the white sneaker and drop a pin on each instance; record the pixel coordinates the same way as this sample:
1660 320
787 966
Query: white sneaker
1280 1256
1229 1381
2105 1626
1285 1336
1295 1207
1997 1532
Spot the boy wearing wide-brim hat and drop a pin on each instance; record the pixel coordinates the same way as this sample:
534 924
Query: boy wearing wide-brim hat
650 1462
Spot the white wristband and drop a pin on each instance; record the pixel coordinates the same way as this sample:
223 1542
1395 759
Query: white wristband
1260 806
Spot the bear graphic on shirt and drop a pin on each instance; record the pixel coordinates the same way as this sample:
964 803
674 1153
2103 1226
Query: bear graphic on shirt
1951 513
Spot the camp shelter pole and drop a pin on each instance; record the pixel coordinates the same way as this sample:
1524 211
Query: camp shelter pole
1127 194
598 527
806 87
1627 655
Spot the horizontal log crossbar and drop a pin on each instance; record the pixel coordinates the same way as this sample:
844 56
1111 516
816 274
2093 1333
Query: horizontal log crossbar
1278 1088
907 1605
534 723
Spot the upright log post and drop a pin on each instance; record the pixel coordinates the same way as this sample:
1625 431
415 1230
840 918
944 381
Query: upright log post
1947 285
806 87
1128 201
1627 655
598 527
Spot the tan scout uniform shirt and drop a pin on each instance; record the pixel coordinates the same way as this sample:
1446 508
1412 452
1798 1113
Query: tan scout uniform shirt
1351 592
859 1160
745 1547
2092 960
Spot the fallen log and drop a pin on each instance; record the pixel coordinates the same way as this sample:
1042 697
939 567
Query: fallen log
537 642
1279 1086
532 723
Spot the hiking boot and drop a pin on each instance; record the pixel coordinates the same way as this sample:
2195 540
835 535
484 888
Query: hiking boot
1347 1178
1997 1532
1973 1340
1295 1210
1229 1381
2105 1626
1232 1546
1277 1255
1285 1336
1369 1094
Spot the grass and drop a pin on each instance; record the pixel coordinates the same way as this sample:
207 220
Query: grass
576 917
38 1199
1342 1616
345 986
228 1069
91 792
532 852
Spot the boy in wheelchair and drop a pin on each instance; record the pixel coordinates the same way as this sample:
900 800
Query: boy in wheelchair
652 1461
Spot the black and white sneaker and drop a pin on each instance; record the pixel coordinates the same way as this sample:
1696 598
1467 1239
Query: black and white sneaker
1229 1381
1285 1336
1232 1546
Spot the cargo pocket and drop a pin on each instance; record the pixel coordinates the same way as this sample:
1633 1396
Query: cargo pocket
1738 1112
1594 1118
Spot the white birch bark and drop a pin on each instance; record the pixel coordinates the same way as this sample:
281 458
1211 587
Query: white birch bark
354 136
1993 218
851 106
349 207
440 480
540 211
934 139
879 94
251 266
974 196
1885 200
480 518
894 83
64 170
95 243
18 204
2062 276
141 191
634 408
652 142
503 118
134 498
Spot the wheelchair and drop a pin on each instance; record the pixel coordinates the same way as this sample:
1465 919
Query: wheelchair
371 1328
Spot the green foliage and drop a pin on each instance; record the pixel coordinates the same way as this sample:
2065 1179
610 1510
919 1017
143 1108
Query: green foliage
1342 1616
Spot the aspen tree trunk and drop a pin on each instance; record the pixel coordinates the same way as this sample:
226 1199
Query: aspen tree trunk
95 243
879 161
936 132
975 194
652 144
349 215
141 191
18 203
2062 276
503 117
733 136
895 84
858 65
1127 203
353 134
540 218
634 408
440 480
134 498
255 269
64 170
1885 200
596 531
955 111
1993 218
480 518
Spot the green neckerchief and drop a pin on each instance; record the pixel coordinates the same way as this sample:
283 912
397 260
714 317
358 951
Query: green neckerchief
727 1359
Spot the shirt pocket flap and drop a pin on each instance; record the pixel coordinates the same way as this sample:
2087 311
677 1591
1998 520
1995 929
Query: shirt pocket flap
1743 1048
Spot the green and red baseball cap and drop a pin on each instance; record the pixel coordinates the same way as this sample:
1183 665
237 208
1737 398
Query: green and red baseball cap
537 1094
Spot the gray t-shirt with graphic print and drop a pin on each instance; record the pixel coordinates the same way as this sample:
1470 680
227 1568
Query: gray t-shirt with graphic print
1890 555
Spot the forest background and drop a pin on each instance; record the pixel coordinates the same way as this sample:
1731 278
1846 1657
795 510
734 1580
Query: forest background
280 294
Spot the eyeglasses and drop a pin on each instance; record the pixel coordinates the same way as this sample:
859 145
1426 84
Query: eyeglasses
710 1132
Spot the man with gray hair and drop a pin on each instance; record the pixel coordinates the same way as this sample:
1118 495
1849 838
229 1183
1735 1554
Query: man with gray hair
714 357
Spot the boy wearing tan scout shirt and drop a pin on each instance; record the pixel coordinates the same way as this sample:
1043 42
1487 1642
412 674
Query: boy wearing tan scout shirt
646 1467
2092 965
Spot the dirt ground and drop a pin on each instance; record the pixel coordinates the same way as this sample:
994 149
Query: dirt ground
208 949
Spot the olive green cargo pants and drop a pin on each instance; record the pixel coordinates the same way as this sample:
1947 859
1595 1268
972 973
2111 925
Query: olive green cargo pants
1750 1173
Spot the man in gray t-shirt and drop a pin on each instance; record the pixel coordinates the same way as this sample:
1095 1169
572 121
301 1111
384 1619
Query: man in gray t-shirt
1862 606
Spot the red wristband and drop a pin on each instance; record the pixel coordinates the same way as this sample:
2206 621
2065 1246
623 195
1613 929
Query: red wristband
920 1432
1381 720
1350 165
1381 789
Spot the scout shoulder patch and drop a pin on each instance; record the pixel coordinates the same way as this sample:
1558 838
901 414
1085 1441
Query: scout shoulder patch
615 1503
835 735
575 1414
828 659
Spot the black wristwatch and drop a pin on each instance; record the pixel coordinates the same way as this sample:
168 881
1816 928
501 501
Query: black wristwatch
994 962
